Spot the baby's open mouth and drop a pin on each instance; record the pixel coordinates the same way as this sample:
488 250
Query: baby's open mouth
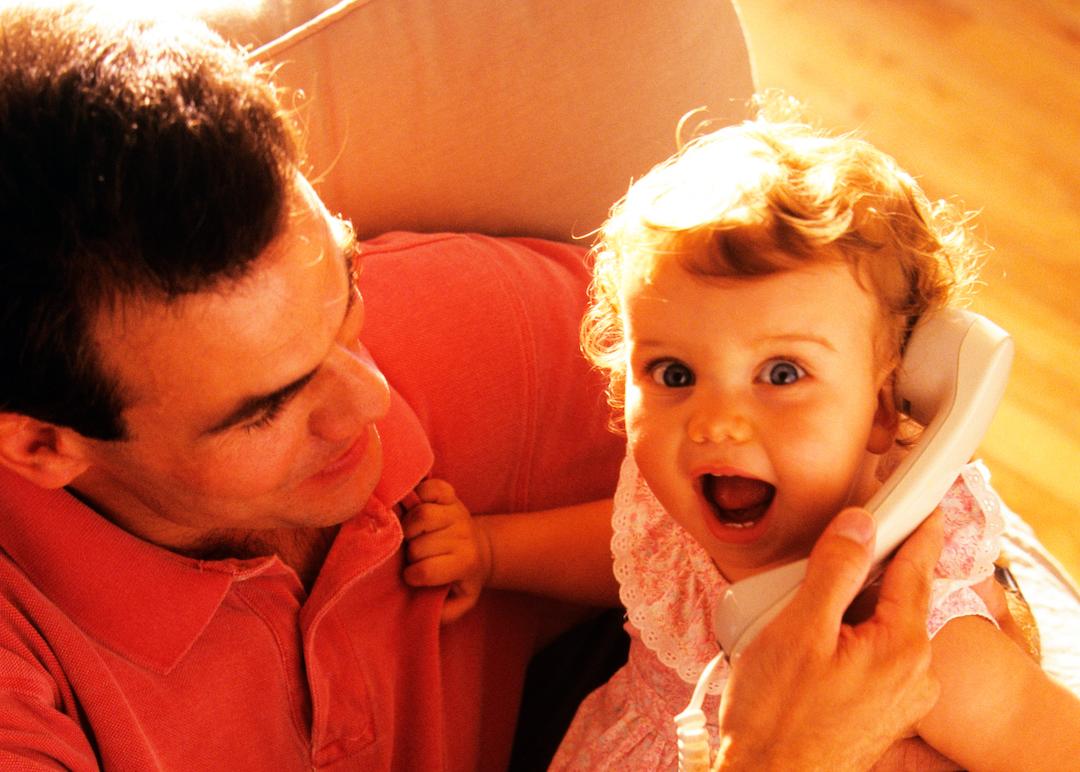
737 501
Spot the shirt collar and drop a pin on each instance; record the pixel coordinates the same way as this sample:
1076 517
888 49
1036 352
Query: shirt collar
142 601
407 454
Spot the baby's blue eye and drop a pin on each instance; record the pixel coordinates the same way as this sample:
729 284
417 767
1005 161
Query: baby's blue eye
673 375
781 372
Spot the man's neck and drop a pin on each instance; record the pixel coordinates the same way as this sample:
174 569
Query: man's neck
304 550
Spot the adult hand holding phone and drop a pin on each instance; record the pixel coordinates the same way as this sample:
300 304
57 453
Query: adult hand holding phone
811 692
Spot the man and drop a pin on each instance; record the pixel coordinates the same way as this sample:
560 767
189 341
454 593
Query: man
200 463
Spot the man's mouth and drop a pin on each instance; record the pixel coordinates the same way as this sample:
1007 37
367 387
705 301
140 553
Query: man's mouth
738 502
347 460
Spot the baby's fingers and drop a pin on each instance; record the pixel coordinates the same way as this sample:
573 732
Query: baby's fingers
433 571
428 518
428 546
436 491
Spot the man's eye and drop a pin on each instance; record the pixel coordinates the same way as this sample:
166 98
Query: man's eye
672 375
266 419
781 372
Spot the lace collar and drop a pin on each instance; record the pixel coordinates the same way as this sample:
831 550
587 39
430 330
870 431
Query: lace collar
667 581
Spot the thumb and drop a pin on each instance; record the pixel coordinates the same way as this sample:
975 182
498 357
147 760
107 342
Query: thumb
836 571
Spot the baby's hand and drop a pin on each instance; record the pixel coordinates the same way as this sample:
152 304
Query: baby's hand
445 545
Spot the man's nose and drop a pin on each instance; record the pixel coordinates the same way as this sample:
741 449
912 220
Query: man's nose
357 394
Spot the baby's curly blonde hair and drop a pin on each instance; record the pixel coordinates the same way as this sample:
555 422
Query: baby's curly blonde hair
772 194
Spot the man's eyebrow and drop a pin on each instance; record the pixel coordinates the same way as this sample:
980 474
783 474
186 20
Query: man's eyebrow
261 403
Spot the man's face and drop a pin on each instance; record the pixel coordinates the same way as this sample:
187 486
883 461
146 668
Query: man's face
250 405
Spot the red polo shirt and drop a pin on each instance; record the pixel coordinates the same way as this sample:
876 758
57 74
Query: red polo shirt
117 654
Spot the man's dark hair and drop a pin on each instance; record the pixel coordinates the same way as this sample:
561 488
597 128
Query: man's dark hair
137 159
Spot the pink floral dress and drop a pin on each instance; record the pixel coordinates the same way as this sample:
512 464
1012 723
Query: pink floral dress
668 584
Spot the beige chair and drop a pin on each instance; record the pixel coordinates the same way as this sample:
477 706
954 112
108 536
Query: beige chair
523 117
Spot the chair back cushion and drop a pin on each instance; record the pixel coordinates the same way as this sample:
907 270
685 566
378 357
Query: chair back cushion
528 117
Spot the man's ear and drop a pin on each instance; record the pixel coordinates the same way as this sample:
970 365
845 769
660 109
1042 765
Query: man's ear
45 454
886 418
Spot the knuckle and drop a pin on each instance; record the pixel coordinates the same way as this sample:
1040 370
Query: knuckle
435 488
445 488
427 489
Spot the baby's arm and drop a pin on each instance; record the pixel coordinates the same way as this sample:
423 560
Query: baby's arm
559 553
997 709
562 553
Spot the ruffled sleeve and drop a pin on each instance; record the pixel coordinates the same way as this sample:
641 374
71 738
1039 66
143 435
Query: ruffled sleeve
973 528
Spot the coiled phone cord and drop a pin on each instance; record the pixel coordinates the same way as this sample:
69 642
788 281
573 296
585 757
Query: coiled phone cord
695 755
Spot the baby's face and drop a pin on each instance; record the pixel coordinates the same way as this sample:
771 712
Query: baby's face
754 406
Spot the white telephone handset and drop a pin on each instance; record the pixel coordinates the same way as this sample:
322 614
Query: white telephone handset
952 378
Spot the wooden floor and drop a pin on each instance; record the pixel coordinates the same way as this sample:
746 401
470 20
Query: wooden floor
980 99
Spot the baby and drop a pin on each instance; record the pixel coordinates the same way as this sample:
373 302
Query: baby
751 301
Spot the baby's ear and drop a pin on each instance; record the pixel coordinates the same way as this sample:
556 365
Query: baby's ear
47 455
886 418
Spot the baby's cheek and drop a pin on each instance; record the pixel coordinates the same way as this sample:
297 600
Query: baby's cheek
650 439
822 475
